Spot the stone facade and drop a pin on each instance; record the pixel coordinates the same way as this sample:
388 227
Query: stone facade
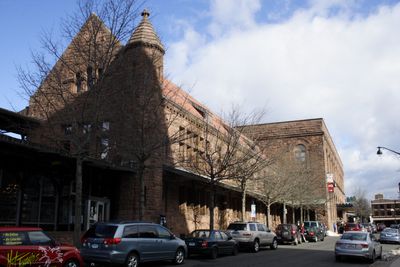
307 141
127 114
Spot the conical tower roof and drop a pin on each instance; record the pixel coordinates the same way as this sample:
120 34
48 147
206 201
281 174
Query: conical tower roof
144 34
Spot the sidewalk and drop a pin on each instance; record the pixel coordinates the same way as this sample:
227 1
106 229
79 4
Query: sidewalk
396 263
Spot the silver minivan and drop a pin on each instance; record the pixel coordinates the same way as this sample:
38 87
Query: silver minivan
130 243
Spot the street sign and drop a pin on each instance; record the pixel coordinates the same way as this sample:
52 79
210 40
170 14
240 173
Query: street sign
331 187
253 210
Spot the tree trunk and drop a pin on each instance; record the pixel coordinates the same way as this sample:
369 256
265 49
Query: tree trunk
268 215
142 192
243 217
293 215
212 206
284 213
301 215
78 202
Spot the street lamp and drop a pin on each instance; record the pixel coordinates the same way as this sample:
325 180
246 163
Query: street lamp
379 152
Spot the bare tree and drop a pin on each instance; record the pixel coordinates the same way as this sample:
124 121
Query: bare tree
65 86
222 153
277 186
361 205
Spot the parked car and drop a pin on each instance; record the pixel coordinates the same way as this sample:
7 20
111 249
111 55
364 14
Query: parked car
253 235
380 226
353 227
358 244
288 233
27 246
130 243
314 231
390 235
396 226
211 243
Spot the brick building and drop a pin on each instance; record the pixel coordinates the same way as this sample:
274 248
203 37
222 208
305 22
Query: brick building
124 121
309 143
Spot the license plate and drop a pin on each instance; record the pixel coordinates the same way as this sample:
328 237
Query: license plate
95 245
192 244
349 246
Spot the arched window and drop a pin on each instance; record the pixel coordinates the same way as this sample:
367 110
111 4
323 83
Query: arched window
300 153
78 82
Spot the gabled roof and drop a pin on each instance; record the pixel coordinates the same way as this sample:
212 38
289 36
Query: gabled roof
145 34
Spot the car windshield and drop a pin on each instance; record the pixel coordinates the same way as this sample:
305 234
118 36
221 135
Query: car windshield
389 230
200 234
237 226
101 231
355 236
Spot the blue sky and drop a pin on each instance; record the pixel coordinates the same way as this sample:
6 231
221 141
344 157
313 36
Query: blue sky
298 59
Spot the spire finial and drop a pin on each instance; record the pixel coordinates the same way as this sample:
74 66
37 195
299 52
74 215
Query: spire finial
145 13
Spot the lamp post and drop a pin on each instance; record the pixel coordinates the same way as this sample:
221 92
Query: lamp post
379 152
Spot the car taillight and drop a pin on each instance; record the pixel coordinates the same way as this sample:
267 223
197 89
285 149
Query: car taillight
311 233
83 240
112 241
246 234
204 244
362 246
293 232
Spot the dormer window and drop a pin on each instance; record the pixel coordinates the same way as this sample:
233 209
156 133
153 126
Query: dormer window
202 111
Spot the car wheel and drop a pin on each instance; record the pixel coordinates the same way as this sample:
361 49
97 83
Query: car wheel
179 256
235 250
274 244
256 246
214 253
372 260
338 257
380 255
72 263
132 260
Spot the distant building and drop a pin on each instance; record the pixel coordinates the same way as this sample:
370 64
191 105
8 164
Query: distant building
384 210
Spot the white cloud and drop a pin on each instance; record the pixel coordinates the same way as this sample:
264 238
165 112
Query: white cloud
342 67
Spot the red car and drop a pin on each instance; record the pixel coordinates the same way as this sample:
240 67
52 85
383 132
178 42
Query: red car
353 227
28 246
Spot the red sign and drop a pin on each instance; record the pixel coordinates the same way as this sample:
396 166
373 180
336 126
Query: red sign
331 187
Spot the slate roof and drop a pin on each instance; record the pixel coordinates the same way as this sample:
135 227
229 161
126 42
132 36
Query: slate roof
145 34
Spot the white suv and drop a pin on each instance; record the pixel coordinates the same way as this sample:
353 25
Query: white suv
253 235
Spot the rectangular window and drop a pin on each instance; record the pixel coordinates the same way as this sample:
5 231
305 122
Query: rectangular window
105 148
86 128
67 129
105 126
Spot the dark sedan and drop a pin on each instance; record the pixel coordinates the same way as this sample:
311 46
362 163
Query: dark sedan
211 243
288 233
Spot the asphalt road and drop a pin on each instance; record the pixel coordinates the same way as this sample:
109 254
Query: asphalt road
310 254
